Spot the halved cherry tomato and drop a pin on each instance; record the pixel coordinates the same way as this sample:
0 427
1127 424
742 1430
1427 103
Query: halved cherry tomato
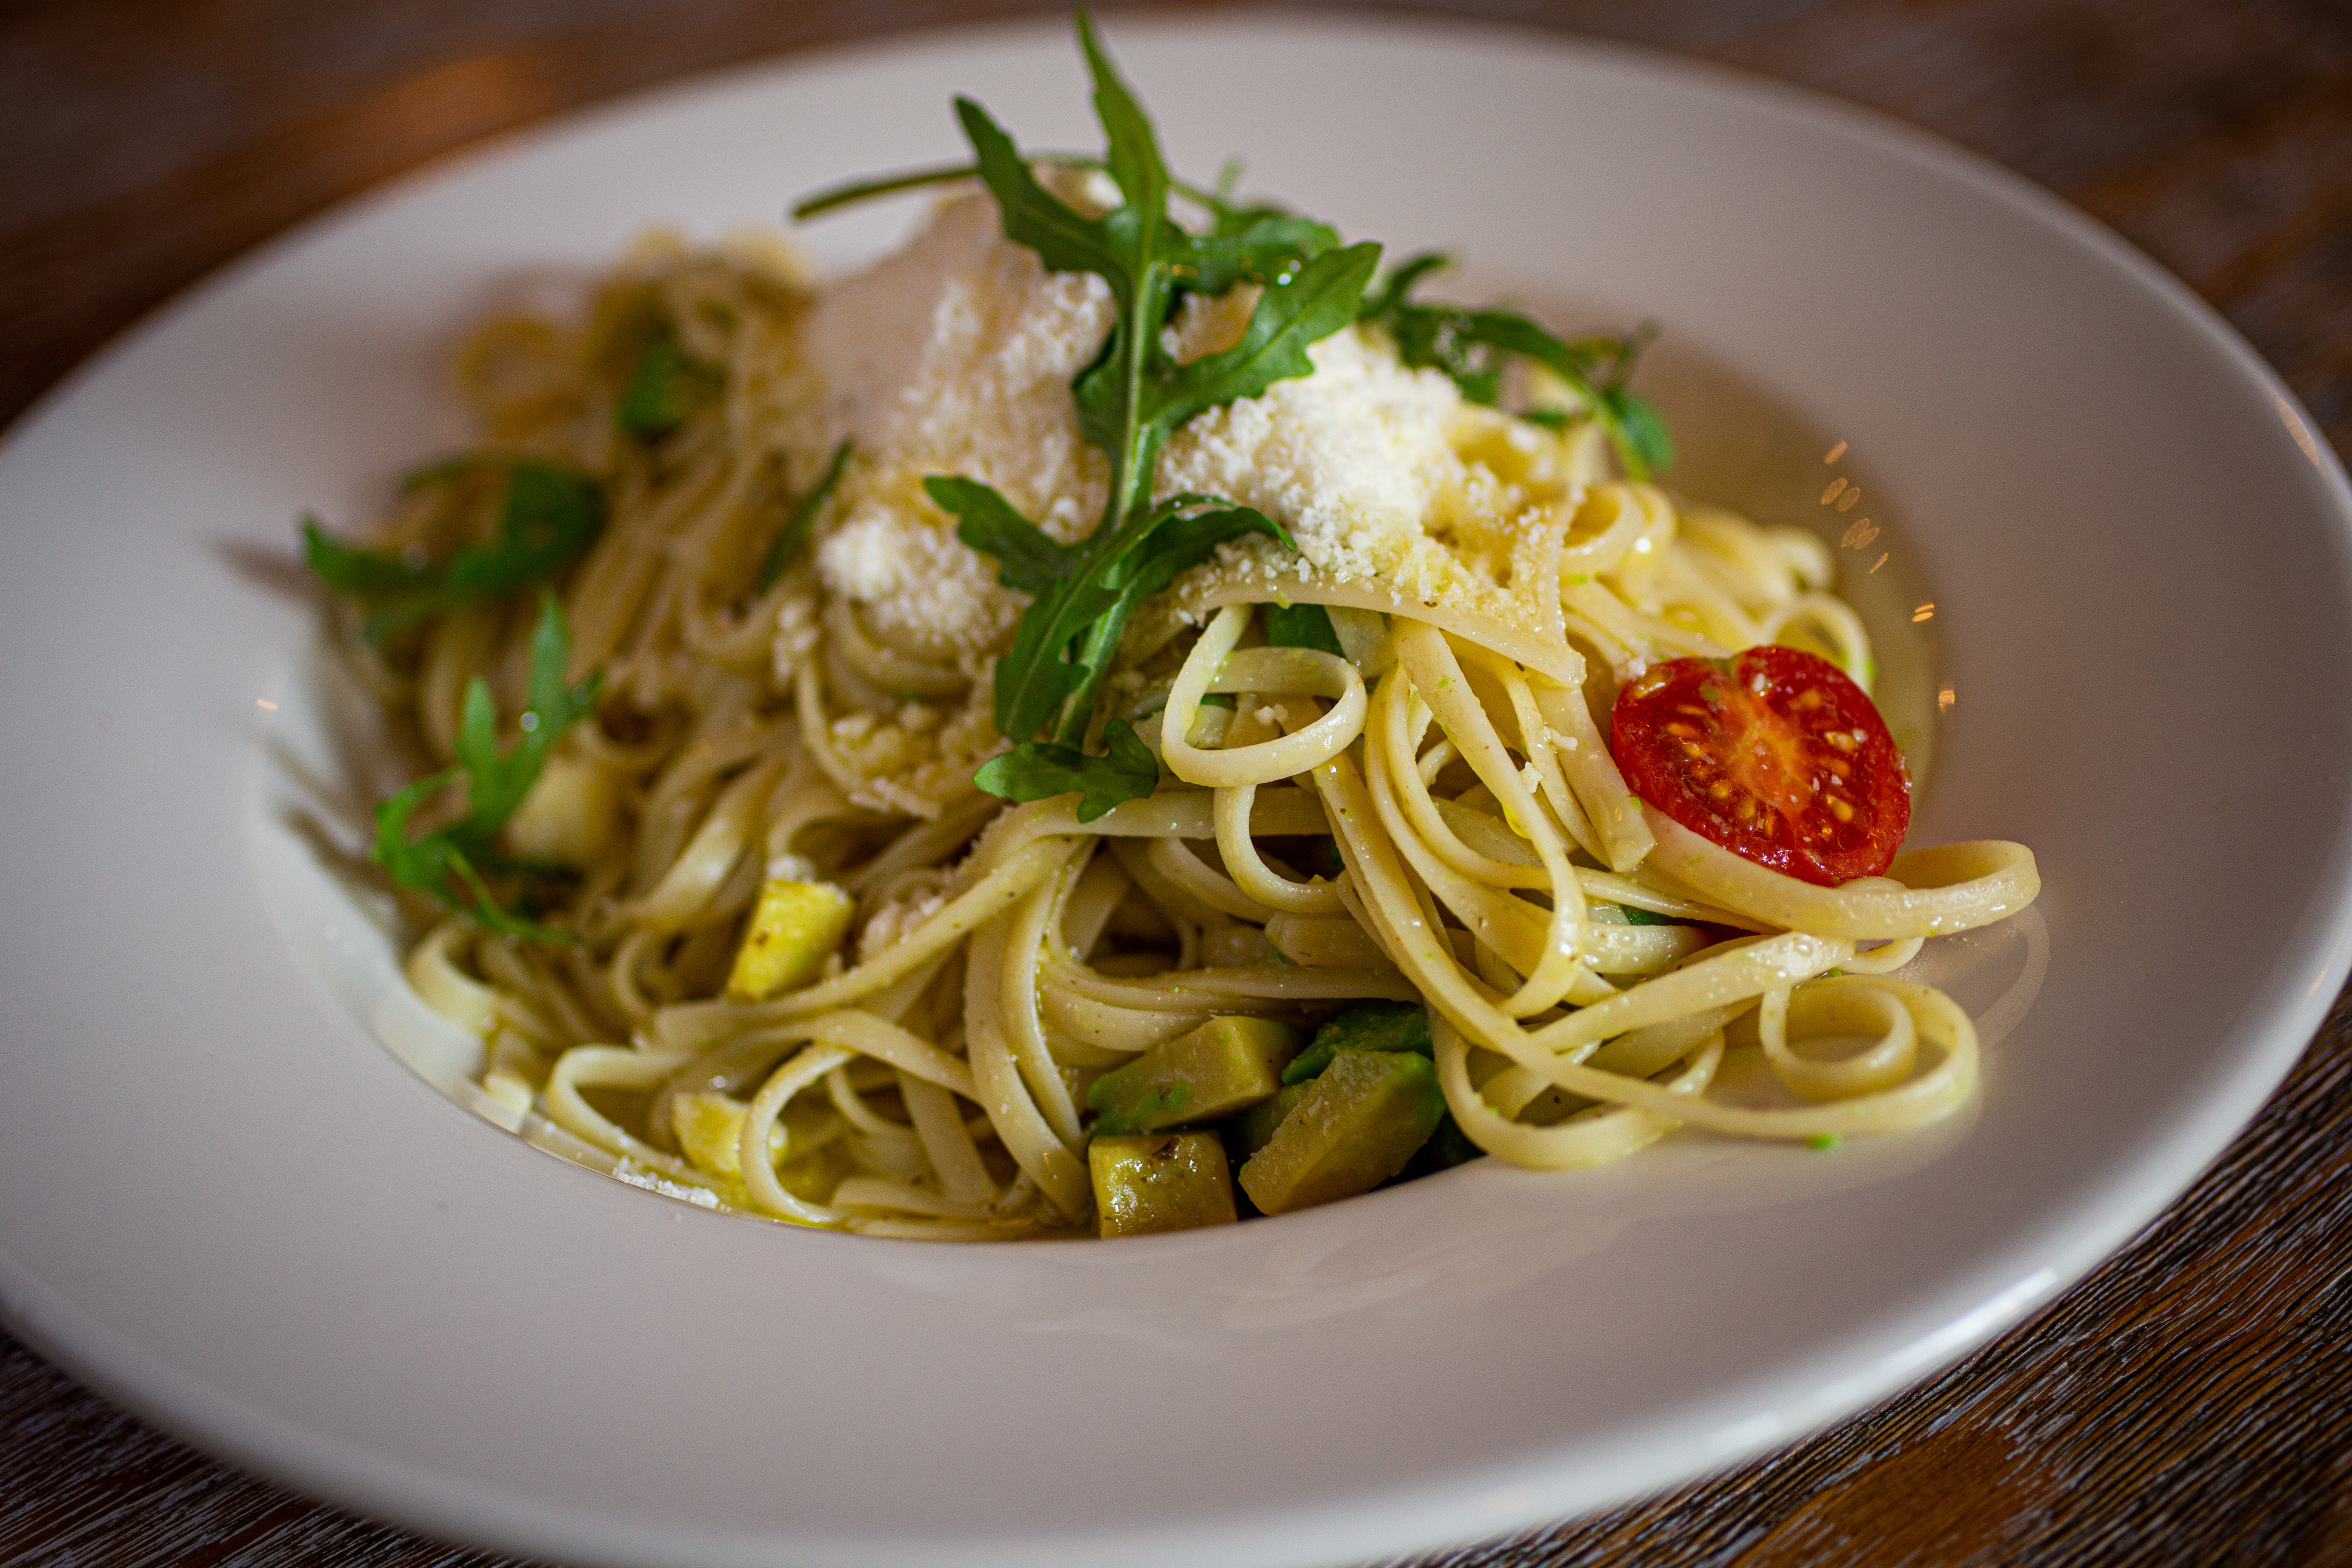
1774 755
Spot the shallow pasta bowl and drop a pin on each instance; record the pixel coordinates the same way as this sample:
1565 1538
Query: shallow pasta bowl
223 1201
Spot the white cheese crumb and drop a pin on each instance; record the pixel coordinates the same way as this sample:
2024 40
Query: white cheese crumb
954 356
1351 459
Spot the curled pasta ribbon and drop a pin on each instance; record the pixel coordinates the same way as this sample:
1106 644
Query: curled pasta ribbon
1549 655
1403 719
1875 1095
445 988
1214 665
1934 892
613 1067
1258 881
1571 1053
710 856
1440 681
1593 1137
810 1065
1251 876
1182 867
1839 1006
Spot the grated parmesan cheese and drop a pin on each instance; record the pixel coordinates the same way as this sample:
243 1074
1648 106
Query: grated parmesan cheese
1352 459
955 356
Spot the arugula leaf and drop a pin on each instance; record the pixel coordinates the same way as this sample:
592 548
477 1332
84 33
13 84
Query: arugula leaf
1065 239
453 863
1636 917
1635 424
1171 539
1062 648
548 516
1399 282
1257 245
1130 399
1301 625
1134 394
1472 346
1320 298
666 389
372 573
1040 770
802 521
1027 558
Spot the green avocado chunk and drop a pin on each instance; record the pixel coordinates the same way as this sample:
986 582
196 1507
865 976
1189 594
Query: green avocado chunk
1161 1181
1356 1126
1447 1147
1366 1026
1253 1129
1225 1065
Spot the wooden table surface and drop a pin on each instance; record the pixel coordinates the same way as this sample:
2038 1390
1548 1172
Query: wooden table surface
2191 1401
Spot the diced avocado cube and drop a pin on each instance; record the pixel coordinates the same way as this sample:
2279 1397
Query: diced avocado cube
1161 1181
1225 1065
1356 1126
1447 1147
1253 1129
1366 1026
793 928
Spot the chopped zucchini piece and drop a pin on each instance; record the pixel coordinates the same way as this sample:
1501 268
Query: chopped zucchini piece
796 925
1225 1065
1356 1126
1253 1129
1161 1181
1366 1026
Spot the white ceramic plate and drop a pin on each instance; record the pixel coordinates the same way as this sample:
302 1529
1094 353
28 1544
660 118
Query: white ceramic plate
225 1203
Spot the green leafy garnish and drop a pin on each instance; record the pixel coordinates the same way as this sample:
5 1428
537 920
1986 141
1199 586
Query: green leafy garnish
455 864
1128 401
1472 346
1086 593
1135 393
1301 625
1040 770
548 516
1634 917
1823 1140
802 521
668 388
1366 1026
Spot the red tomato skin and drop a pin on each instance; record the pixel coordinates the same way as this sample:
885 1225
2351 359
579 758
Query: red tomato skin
1677 731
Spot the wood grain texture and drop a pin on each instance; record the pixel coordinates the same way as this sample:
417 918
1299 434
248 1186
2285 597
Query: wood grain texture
2192 1402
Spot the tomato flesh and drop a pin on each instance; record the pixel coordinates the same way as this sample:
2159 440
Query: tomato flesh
1774 755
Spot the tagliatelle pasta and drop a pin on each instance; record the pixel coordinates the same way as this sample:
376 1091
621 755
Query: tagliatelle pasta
786 952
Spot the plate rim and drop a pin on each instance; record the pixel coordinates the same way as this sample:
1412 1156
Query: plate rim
2077 1243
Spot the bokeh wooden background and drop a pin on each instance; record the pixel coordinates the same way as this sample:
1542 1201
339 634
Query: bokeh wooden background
2192 1402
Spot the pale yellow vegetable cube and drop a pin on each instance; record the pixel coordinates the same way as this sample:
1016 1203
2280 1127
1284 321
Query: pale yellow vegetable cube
570 814
709 1128
796 925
